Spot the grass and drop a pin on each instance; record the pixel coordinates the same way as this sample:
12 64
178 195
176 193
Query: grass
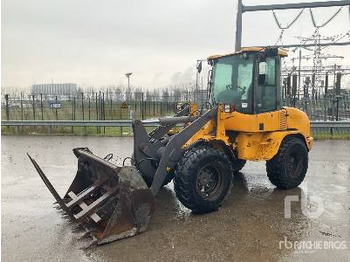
323 136
69 131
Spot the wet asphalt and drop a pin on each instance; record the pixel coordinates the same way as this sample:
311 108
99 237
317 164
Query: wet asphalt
251 225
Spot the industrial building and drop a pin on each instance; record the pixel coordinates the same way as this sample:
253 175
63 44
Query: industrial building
66 89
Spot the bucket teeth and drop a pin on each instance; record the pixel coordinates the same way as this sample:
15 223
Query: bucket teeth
91 244
65 216
51 188
78 228
104 202
86 234
61 211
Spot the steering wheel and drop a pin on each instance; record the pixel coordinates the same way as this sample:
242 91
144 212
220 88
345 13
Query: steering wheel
243 89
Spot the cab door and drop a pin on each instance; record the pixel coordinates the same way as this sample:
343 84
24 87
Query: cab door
267 88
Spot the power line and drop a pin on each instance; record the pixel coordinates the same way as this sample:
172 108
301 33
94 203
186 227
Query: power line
288 26
325 23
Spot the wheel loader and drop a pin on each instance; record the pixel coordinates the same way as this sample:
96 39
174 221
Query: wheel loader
242 120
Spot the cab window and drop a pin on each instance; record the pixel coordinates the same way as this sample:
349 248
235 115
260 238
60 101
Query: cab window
266 91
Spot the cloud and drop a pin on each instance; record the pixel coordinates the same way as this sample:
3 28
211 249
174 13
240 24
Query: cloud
95 42
183 77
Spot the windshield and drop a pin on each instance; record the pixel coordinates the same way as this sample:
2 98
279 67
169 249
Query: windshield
232 81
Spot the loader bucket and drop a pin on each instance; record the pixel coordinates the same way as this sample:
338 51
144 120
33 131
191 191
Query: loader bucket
109 202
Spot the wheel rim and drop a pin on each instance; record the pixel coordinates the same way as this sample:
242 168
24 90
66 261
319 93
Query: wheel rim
209 182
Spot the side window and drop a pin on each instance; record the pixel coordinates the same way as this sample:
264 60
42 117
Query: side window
266 93
223 75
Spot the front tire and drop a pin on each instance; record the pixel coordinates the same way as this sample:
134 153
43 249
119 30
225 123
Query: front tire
238 164
287 169
167 180
203 178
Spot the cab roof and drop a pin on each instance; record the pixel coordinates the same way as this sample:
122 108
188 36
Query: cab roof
281 52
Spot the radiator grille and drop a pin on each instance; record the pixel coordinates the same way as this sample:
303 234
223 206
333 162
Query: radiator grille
283 120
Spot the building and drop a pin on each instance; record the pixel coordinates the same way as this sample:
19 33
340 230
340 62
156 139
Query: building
54 89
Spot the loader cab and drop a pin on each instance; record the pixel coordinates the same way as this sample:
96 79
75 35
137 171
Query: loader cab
249 80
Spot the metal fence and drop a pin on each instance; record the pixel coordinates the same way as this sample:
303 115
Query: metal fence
326 109
102 108
338 129
87 109
318 128
95 106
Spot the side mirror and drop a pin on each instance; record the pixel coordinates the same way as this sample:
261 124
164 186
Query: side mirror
199 66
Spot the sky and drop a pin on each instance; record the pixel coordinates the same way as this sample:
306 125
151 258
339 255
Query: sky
94 43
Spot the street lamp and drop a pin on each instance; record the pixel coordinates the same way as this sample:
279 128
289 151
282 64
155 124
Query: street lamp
198 71
128 76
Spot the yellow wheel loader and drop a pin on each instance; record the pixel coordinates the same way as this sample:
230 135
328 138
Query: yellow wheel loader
242 120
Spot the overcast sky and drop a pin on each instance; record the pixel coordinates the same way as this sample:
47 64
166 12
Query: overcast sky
94 43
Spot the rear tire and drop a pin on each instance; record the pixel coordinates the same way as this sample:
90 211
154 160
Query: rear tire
287 169
203 178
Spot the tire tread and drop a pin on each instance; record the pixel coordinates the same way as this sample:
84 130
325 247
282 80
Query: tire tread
275 167
183 177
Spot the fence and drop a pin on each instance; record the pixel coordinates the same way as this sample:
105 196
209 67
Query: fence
329 128
329 109
84 109
100 108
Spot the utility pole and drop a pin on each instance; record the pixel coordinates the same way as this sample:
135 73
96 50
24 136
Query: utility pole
142 107
89 108
33 104
82 104
334 90
56 108
22 114
42 107
73 112
299 75
238 44
97 118
243 8
7 107
103 108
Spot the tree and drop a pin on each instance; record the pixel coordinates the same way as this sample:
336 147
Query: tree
165 95
118 93
177 94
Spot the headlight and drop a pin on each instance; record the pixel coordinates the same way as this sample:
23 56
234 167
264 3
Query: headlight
229 108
